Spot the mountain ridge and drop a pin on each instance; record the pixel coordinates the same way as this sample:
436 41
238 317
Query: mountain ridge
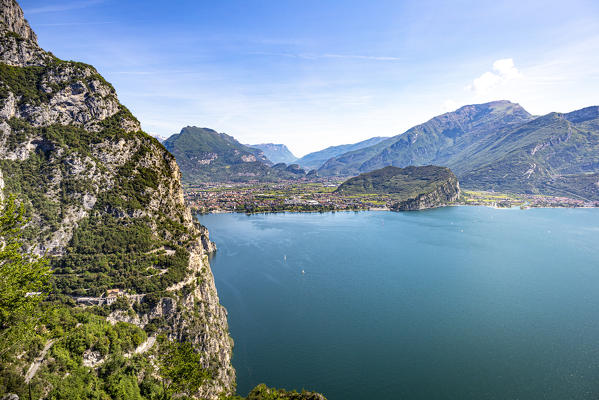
315 159
440 131
494 146
205 155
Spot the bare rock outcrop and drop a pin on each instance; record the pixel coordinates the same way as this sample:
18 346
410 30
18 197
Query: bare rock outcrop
12 16
76 157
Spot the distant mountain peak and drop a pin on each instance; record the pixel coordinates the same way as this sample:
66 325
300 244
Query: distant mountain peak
426 142
495 146
316 159
192 127
277 153
497 106
205 155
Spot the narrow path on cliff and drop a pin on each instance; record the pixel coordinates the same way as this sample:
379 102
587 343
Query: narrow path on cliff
38 361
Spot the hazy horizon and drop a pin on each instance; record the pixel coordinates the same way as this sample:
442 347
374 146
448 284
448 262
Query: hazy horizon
312 75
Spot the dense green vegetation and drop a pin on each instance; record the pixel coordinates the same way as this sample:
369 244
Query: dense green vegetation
75 353
26 83
401 183
23 278
69 335
179 369
263 392
23 82
106 253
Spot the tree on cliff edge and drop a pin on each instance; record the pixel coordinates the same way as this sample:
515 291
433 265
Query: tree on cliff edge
23 276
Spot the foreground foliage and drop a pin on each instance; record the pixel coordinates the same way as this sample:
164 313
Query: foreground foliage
263 392
23 278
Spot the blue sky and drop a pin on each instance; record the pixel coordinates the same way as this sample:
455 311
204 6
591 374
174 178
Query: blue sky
316 73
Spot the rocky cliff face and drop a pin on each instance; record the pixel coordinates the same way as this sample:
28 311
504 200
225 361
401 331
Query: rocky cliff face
410 188
105 198
446 193
14 20
18 41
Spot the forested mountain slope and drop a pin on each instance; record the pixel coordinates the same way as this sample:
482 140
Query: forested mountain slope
205 155
106 206
495 146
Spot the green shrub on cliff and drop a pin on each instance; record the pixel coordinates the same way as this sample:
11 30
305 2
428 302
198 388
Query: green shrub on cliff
23 277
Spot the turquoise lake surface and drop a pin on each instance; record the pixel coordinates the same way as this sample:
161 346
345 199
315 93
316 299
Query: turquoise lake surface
452 303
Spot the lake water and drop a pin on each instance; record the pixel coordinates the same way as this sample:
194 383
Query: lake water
453 303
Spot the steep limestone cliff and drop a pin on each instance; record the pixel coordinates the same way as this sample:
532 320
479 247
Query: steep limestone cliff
18 41
410 188
14 20
444 194
105 201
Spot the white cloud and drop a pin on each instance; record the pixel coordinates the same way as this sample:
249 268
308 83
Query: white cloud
504 71
506 68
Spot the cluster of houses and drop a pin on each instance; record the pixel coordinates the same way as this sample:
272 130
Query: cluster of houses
274 197
295 201
108 298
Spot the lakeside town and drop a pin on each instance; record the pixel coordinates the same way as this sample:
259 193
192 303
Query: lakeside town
320 196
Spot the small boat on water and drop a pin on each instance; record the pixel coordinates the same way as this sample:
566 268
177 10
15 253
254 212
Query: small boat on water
303 272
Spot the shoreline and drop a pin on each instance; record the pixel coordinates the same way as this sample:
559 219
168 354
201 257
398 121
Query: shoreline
262 199
384 209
